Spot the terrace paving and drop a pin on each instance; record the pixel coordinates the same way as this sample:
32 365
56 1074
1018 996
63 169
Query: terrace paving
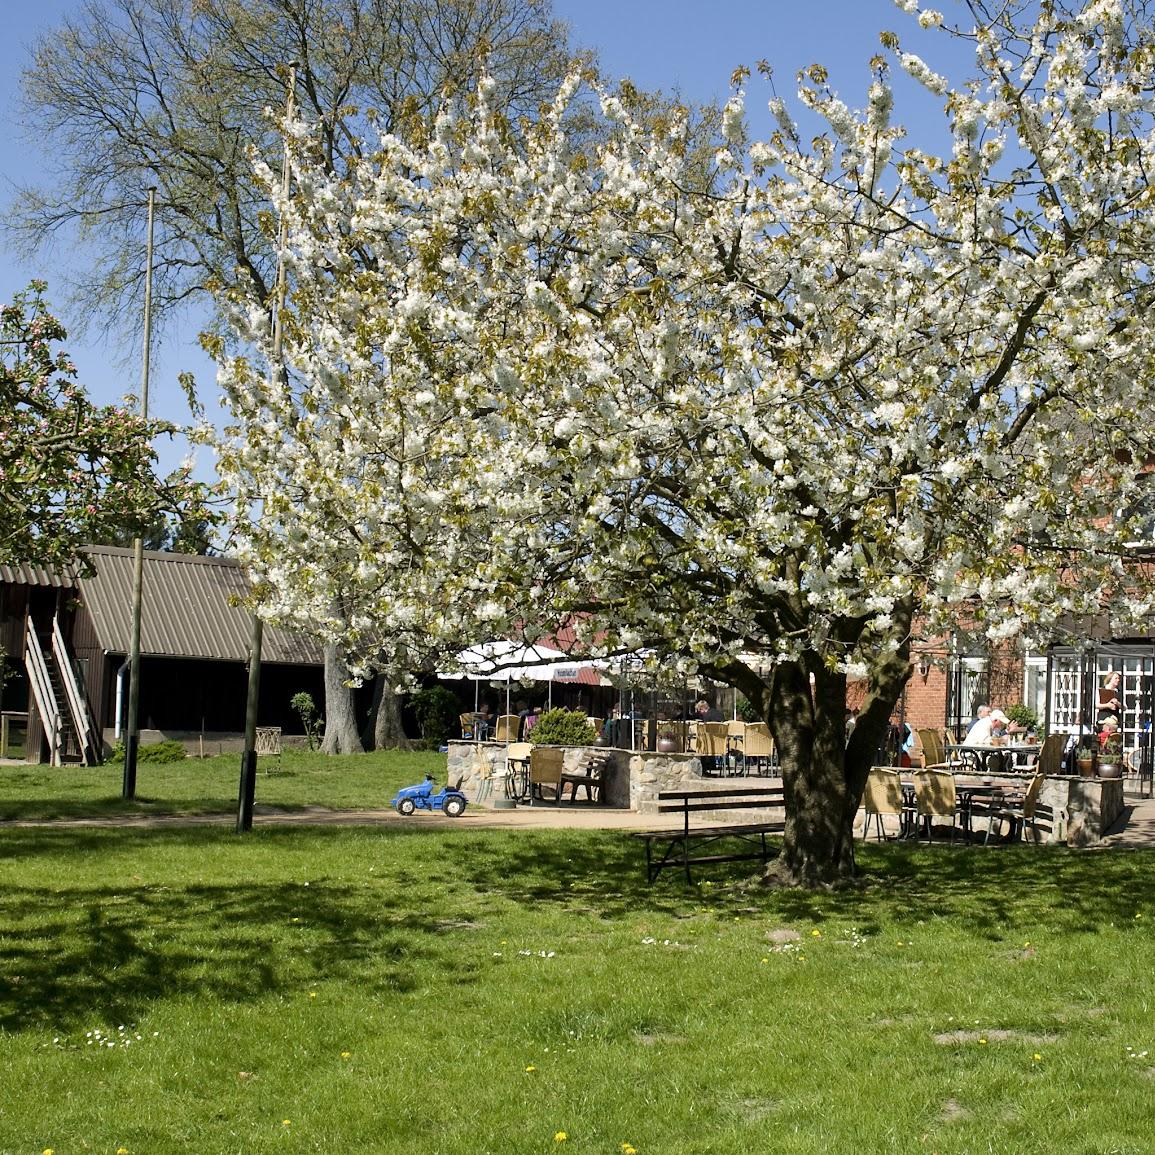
1134 829
1135 826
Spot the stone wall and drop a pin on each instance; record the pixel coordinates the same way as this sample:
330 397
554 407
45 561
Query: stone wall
1085 808
650 773
632 781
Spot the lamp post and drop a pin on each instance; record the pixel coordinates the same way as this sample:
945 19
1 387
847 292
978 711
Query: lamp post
132 728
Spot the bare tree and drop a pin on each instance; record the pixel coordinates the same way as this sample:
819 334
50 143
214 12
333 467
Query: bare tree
180 93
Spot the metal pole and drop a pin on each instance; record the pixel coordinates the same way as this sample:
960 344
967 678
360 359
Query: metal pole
248 784
132 729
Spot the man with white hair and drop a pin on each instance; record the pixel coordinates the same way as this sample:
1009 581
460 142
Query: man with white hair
990 725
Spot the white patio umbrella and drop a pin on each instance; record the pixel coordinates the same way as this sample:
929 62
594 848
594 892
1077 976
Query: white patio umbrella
503 661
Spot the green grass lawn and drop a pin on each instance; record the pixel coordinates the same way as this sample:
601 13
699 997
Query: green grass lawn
400 988
210 785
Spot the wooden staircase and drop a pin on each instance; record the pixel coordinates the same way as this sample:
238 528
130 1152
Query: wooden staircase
63 710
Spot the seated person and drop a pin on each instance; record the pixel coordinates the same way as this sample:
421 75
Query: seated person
906 754
483 722
1108 728
987 731
705 712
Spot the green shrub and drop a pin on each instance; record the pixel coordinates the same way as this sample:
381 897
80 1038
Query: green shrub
562 728
1023 716
747 712
169 751
437 712
303 703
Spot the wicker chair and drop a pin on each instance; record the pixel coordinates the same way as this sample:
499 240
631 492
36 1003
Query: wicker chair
712 746
758 748
507 728
882 795
1020 815
546 766
935 797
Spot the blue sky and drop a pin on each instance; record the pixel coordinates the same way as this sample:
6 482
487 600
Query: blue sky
687 45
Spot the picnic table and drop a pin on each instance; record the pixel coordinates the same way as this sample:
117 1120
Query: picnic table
689 846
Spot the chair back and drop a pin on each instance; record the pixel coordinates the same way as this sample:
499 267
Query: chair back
506 728
466 721
546 764
268 744
933 750
712 739
268 740
758 743
1051 754
883 793
1031 799
934 793
519 752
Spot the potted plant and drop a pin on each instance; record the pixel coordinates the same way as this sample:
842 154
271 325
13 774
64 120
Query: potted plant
667 738
1088 755
1111 757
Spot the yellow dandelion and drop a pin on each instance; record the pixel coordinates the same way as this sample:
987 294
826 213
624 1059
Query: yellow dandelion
530 1068
122 1151
1037 1057
765 960
982 1042
48 1151
286 1122
629 1149
560 1137
816 933
345 1054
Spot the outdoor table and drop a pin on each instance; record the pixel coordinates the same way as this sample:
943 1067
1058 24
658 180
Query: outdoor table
517 780
735 753
996 759
966 795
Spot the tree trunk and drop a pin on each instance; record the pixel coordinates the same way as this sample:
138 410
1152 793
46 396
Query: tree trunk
809 729
383 730
823 775
341 736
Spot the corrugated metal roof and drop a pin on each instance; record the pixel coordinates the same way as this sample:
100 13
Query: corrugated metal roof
23 574
186 609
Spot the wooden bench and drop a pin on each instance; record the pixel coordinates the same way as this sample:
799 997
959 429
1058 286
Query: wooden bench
735 842
589 776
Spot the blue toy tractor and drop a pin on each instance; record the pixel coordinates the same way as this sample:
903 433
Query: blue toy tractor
425 796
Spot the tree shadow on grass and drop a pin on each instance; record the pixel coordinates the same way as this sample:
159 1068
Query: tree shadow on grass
133 918
990 890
